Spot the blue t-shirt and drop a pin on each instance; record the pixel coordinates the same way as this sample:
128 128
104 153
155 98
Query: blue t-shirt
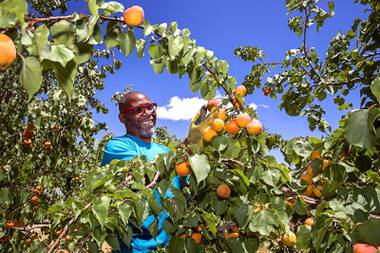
125 148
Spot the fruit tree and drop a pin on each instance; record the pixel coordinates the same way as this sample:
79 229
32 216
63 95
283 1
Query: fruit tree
55 196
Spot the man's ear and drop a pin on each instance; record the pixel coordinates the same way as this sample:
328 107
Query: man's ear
122 118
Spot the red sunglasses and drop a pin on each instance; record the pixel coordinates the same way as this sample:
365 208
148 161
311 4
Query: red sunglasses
140 109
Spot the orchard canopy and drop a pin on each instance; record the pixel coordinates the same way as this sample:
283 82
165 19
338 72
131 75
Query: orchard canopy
55 196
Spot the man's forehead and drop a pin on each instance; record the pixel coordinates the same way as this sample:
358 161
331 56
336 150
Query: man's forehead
136 98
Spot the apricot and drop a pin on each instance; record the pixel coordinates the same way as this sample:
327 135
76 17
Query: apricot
199 229
223 191
213 103
28 241
47 145
208 134
232 127
364 248
325 163
240 90
134 16
309 170
33 236
316 154
307 178
243 119
222 114
309 191
231 235
38 190
309 221
197 237
217 125
182 169
9 224
254 127
8 52
34 200
183 236
27 143
289 239
317 191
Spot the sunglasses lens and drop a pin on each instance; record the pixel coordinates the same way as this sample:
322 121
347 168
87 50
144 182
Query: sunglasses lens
139 109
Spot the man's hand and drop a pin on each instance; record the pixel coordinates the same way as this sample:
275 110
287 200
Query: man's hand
199 123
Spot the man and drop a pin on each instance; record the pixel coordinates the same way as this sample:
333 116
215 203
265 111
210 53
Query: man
138 114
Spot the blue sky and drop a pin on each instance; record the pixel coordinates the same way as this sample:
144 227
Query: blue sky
221 26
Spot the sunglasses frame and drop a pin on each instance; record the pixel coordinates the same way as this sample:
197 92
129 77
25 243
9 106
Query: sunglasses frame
144 107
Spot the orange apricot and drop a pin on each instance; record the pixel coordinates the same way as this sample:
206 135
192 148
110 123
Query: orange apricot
223 191
307 178
309 221
325 163
27 143
47 145
232 127
34 200
208 134
309 170
217 125
197 237
8 52
309 191
289 239
240 90
316 154
134 16
182 169
212 103
222 114
243 119
254 127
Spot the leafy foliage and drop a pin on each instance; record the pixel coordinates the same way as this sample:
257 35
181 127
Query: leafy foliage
51 182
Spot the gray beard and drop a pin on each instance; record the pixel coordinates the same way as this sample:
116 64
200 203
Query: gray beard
146 133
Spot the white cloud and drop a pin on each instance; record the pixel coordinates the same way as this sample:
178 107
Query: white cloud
253 105
180 109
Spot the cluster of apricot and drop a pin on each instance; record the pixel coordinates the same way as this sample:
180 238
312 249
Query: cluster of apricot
27 136
233 126
37 191
313 190
195 235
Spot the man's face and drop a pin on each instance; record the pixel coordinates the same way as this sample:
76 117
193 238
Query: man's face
140 118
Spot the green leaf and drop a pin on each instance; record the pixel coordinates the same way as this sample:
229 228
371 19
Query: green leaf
222 67
303 148
357 129
241 174
304 237
40 40
113 241
175 46
200 166
368 232
375 88
154 51
158 67
300 207
112 6
100 209
211 220
31 75
148 29
127 42
66 77
57 53
140 45
61 33
86 29
111 38
125 211
93 7
263 222
271 176
12 11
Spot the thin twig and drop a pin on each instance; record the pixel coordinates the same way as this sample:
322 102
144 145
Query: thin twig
154 181
65 229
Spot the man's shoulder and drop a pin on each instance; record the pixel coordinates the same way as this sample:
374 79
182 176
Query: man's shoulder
160 146
119 142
